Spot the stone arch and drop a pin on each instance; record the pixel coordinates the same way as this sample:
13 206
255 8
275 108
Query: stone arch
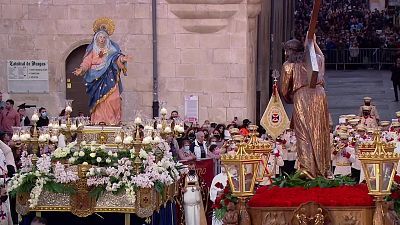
61 67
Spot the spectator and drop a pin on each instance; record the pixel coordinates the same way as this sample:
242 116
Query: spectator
396 78
62 113
173 144
43 118
244 128
39 221
221 129
174 115
2 103
184 153
9 117
199 146
24 121
349 23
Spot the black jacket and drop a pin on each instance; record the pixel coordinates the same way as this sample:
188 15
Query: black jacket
395 74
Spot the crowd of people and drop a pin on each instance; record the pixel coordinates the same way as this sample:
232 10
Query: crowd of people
210 140
344 24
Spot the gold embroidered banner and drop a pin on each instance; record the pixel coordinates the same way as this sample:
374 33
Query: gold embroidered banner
275 120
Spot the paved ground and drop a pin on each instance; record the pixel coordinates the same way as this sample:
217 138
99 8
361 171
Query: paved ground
346 89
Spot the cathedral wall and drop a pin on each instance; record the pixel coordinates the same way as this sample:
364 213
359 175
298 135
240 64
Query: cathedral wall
204 49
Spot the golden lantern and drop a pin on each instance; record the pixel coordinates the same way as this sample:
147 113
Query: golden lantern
262 148
242 170
379 169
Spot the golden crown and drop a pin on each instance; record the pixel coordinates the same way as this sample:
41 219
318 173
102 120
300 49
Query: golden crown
104 23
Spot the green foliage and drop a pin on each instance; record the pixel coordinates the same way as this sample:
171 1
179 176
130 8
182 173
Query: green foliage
296 180
28 183
97 192
55 187
160 187
220 213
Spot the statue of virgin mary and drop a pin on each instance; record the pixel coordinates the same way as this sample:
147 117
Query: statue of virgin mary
101 67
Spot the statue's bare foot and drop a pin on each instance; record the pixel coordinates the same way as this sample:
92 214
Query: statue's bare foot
329 175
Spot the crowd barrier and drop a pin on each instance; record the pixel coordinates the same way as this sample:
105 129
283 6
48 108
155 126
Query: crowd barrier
354 58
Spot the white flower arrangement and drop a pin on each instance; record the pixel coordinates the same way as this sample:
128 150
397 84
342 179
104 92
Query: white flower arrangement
64 152
108 172
36 178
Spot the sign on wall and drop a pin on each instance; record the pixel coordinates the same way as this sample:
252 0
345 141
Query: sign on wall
28 76
192 108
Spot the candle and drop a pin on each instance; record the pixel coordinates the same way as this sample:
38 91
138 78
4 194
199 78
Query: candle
176 127
73 127
159 126
42 138
118 139
23 137
167 130
163 111
157 140
35 117
54 139
147 140
128 139
138 120
15 137
181 129
68 109
63 126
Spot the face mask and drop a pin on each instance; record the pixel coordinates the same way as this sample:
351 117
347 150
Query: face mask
187 148
44 114
213 143
192 172
217 136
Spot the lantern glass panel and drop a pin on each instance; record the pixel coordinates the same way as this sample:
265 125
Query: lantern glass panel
248 176
373 175
387 175
233 173
262 168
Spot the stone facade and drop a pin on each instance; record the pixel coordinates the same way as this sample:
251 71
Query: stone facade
205 48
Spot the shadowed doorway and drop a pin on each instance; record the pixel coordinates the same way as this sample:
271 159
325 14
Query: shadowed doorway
75 86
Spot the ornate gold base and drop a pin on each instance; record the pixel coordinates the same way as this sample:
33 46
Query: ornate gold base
338 215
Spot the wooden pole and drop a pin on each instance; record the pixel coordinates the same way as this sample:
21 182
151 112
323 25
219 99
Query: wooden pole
311 56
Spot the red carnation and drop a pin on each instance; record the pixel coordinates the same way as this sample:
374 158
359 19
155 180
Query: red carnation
395 195
219 185
223 196
226 202
217 206
218 199
226 191
397 179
